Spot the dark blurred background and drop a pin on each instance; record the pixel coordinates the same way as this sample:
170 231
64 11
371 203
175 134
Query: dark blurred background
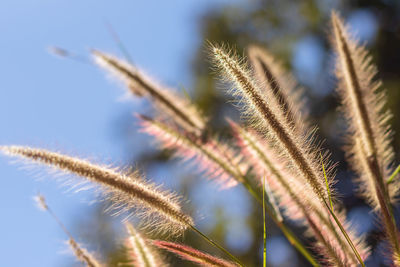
297 33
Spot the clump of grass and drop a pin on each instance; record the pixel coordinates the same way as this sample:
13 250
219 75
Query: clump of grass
276 156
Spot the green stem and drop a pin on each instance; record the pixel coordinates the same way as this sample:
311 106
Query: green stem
216 245
391 178
345 234
265 229
326 181
293 240
118 41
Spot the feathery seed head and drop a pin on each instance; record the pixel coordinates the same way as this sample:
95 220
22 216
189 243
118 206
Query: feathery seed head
363 106
296 198
140 253
279 86
213 158
368 147
178 109
303 157
193 255
83 255
126 192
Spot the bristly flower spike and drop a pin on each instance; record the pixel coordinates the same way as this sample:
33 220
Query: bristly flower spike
298 200
179 109
217 162
278 86
83 255
193 255
271 122
80 253
126 192
140 254
368 149
301 154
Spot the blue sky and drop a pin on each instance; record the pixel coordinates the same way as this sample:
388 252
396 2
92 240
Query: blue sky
64 105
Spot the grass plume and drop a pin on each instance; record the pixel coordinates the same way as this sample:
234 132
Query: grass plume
270 121
179 109
140 254
278 85
80 253
300 152
127 192
193 255
217 161
368 149
299 201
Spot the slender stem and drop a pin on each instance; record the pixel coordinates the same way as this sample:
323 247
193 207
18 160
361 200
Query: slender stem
293 240
326 181
59 222
345 234
391 178
384 202
118 41
265 230
216 245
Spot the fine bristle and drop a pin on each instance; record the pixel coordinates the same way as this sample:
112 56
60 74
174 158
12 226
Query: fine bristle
368 148
139 253
178 109
126 192
194 255
83 255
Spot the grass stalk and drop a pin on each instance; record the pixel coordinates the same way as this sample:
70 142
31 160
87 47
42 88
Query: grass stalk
264 229
393 175
326 181
345 234
215 244
291 237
